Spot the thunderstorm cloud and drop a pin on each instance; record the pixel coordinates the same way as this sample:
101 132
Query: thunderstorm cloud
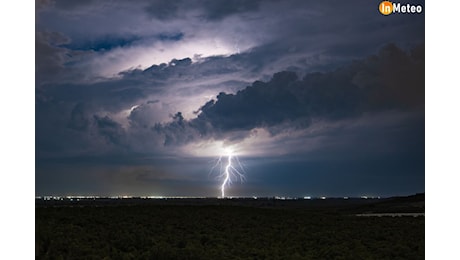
391 80
315 97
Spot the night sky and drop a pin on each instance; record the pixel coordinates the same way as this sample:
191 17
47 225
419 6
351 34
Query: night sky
315 98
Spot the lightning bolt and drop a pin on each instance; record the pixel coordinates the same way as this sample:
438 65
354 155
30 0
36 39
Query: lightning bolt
230 171
226 174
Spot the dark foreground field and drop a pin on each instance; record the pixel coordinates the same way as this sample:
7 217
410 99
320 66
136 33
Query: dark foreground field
224 231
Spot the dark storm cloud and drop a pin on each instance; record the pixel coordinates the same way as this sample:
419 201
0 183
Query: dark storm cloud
391 80
178 131
135 101
78 118
286 101
135 86
111 130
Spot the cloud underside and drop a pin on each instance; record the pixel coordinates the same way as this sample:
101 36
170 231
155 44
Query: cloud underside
393 80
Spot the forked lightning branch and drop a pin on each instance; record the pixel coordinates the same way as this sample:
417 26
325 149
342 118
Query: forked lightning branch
229 170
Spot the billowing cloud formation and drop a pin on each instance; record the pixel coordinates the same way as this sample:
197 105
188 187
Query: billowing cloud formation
122 115
391 80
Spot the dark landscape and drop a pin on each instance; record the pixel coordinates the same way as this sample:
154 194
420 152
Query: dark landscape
238 228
